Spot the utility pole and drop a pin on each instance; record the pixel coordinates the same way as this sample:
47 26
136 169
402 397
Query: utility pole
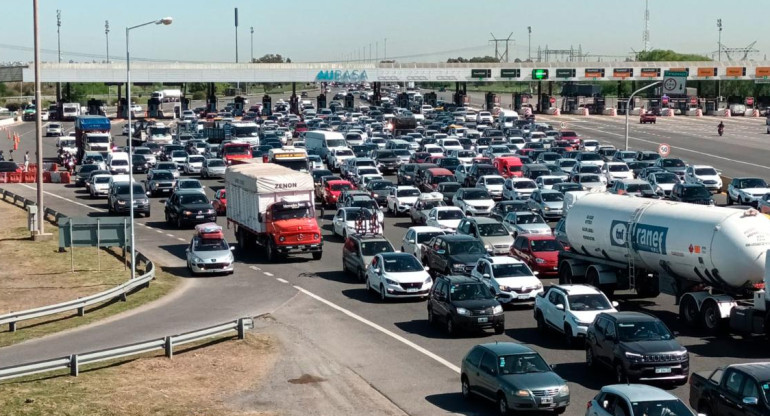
252 44
58 41
237 84
40 231
385 54
107 36
529 44
719 84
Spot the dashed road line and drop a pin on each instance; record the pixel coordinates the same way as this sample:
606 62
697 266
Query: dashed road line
281 280
169 235
387 332
159 231
254 268
268 274
180 239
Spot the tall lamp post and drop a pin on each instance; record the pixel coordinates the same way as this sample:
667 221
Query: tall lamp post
628 104
163 21
719 83
107 38
529 43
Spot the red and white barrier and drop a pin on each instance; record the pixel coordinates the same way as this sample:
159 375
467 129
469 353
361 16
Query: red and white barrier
553 111
612 112
728 113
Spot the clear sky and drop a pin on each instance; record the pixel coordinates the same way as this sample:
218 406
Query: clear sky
416 30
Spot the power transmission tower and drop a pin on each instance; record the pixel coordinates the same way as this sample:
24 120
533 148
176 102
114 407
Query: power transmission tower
748 50
646 34
504 56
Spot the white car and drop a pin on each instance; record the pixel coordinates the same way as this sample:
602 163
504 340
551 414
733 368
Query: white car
570 309
590 181
435 150
616 170
461 171
493 184
338 156
445 218
704 174
359 172
344 221
518 188
746 190
590 145
517 142
473 201
548 181
464 156
401 198
590 158
99 186
450 144
484 117
54 129
525 223
364 180
510 279
416 237
663 182
398 275
193 164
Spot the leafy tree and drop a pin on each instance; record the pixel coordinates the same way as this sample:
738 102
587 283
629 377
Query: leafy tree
659 55
475 59
271 59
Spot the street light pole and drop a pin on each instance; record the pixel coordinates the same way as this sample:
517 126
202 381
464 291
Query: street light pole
252 44
719 83
628 104
58 42
38 127
107 36
529 45
164 21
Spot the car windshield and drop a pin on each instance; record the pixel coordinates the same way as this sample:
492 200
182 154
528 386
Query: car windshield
552 196
494 181
194 199
162 176
639 187
511 207
492 230
124 190
589 178
408 192
119 162
450 214
364 203
469 291
372 248
341 187
552 181
588 302
590 156
617 168
466 247
102 179
525 185
661 408
529 219
544 245
697 192
401 152
195 159
344 153
473 194
290 212
590 169
522 364
386 154
423 238
511 270
206 244
673 163
643 331
450 187
402 263
377 185
706 172
752 183
236 150
550 156
666 178
190 185
215 163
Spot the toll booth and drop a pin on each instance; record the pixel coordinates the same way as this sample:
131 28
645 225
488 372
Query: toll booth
489 101
459 99
570 104
267 105
185 103
655 105
349 102
681 104
294 104
211 103
95 107
321 101
238 103
431 99
402 100
622 106
122 108
153 108
600 103
710 104
376 94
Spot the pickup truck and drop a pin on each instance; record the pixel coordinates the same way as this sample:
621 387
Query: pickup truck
738 389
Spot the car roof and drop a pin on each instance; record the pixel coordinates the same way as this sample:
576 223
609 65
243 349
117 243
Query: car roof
505 348
760 371
702 166
440 171
425 229
577 289
631 316
483 220
448 209
639 392
458 237
502 260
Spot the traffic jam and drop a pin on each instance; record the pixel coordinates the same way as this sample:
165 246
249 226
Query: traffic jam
504 212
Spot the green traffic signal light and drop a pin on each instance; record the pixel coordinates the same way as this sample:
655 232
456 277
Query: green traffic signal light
539 74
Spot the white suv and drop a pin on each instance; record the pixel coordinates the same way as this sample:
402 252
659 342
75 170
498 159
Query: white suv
704 174
570 309
510 279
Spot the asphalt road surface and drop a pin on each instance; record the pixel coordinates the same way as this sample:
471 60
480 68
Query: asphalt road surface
390 345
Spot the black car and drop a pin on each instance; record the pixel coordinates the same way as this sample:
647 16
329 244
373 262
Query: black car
406 174
189 207
9 167
638 166
449 163
448 190
139 164
387 161
119 195
502 208
693 193
378 189
452 254
638 347
478 170
464 303
83 174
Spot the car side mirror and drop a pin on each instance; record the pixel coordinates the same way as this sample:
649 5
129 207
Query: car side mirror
560 307
187 250
751 401
486 275
232 248
378 270
615 304
411 241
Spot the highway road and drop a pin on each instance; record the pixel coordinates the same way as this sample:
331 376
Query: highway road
390 345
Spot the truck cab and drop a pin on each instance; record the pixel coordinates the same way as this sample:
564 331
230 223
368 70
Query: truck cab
292 227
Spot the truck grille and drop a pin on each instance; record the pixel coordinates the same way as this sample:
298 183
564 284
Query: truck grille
544 393
654 358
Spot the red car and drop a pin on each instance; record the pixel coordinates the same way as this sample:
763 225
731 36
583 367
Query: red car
570 136
539 251
299 128
647 117
333 190
220 202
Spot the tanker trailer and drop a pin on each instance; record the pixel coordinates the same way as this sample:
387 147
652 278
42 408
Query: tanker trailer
712 259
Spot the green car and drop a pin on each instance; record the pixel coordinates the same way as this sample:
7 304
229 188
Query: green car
515 377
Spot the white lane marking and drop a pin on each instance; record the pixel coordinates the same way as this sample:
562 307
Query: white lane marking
254 268
170 235
67 199
268 274
681 148
389 333
281 280
180 239
159 231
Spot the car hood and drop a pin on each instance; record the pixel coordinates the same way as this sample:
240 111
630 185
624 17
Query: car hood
387 160
557 205
475 304
480 202
549 256
586 316
407 277
652 347
535 227
533 381
407 200
217 168
498 240
449 223
296 224
666 186
465 258
219 256
518 281
495 188
196 207
755 191
676 169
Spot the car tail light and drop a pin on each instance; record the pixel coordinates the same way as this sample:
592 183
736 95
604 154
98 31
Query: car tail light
588 405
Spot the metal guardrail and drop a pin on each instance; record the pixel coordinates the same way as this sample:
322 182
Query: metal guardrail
79 304
167 343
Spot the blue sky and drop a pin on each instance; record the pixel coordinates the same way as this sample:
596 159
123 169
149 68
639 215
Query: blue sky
424 30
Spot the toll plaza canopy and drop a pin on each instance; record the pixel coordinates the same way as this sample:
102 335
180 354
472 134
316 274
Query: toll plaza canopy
145 72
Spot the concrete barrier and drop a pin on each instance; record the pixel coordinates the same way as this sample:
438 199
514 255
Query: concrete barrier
553 111
667 112
7 122
581 112
612 112
636 111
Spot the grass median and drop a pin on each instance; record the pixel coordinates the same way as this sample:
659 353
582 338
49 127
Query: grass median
35 274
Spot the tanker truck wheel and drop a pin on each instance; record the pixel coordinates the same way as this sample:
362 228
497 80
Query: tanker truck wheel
688 312
565 274
712 319
272 255
317 255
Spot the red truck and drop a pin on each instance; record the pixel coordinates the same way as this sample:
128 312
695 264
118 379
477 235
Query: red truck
236 151
272 206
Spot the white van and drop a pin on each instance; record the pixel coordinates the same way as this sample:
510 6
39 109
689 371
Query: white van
322 142
67 144
117 163
506 119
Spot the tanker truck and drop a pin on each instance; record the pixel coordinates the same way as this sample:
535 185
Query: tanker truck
272 206
712 259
